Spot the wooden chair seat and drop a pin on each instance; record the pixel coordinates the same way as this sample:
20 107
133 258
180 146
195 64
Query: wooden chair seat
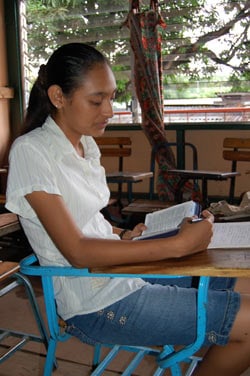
145 206
8 223
8 268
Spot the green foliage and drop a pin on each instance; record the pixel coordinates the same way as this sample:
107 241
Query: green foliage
240 84
123 94
202 39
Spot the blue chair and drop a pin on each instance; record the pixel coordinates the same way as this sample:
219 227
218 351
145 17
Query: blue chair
165 357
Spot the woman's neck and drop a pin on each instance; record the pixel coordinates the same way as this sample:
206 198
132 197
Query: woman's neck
74 138
79 149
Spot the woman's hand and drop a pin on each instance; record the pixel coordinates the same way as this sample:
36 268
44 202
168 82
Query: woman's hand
195 237
137 231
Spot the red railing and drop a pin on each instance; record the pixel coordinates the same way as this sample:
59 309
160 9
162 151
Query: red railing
220 114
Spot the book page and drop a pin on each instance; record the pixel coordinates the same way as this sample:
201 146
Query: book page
231 235
169 218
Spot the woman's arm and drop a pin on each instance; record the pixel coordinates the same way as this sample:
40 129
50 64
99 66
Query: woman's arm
82 251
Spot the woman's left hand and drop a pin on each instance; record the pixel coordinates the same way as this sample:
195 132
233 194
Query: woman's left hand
137 231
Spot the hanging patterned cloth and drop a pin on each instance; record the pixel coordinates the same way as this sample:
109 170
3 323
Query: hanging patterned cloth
145 38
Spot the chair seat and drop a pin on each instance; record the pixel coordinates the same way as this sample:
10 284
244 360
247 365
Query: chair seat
8 268
126 176
8 223
145 206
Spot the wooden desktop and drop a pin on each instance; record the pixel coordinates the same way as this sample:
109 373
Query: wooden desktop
213 262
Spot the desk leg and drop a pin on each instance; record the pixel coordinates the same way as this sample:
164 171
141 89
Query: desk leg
130 193
180 156
205 200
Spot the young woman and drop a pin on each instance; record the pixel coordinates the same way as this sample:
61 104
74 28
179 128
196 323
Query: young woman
57 187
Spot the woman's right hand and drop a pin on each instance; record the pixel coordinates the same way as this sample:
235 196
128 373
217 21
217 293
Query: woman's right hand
195 237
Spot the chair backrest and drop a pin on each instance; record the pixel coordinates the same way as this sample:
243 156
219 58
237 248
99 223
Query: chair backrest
237 150
119 147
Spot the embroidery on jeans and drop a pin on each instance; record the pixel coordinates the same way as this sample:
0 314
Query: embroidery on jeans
122 320
110 315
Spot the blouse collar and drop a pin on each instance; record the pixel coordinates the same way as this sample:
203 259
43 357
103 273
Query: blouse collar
61 146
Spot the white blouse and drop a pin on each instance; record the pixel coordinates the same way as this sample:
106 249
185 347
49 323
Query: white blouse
45 160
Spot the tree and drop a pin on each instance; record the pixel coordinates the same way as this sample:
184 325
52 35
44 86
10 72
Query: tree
202 37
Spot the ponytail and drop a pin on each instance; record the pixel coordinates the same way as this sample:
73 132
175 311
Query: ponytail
39 106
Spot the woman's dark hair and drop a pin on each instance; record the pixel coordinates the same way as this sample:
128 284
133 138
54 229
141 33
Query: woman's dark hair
66 67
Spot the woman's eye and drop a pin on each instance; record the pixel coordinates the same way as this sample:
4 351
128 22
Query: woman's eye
96 103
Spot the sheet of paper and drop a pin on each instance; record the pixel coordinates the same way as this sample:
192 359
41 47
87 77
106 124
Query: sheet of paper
231 235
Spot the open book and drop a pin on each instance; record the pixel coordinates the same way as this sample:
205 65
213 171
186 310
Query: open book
166 222
231 235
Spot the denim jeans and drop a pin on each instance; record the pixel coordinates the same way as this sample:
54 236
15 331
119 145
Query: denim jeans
161 312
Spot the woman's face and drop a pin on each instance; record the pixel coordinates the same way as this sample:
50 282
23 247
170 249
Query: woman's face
88 109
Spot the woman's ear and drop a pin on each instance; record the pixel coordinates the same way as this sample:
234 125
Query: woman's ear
55 95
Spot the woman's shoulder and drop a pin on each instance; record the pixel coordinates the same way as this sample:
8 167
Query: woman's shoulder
31 140
27 137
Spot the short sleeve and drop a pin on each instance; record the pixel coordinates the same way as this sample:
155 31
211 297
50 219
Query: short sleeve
29 170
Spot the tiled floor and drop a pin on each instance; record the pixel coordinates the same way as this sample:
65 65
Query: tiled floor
74 358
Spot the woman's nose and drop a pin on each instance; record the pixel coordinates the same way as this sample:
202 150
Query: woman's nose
108 109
